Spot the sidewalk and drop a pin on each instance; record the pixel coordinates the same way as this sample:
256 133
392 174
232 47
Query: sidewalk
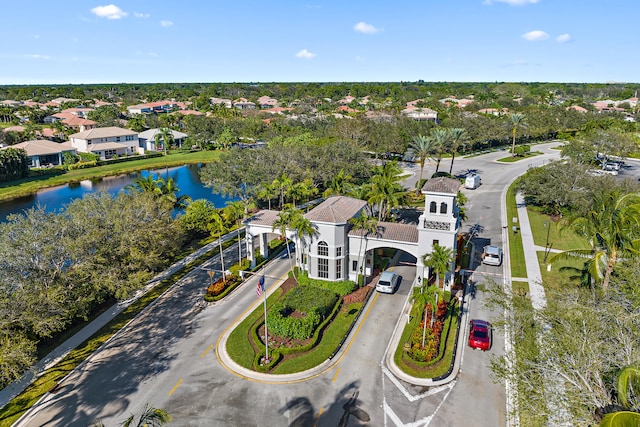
18 386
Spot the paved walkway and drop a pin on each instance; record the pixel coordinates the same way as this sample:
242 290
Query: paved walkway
534 276
85 333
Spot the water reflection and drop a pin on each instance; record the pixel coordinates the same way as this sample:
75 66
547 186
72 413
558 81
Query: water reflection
54 199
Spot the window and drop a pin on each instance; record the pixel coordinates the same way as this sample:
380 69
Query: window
433 207
338 269
339 251
443 208
435 242
354 265
323 268
323 249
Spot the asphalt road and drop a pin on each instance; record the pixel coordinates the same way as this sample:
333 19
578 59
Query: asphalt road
166 357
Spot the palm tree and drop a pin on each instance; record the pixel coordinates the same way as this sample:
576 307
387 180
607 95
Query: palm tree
301 191
516 119
439 260
267 192
366 225
217 227
282 184
235 212
150 417
611 227
628 385
145 185
458 138
303 228
386 192
168 189
285 220
423 147
339 185
442 140
423 296
166 136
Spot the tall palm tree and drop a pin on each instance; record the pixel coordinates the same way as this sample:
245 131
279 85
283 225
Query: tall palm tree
235 212
284 221
146 184
217 227
282 183
458 137
612 229
168 189
303 228
423 296
165 135
301 191
267 192
516 119
366 225
422 146
386 191
442 140
439 260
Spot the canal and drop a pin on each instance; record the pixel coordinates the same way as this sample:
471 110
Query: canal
53 199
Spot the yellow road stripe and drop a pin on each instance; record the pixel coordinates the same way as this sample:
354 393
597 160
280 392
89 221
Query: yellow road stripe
318 417
206 351
175 387
335 377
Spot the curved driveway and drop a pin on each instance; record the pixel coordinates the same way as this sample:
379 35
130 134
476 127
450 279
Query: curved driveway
166 356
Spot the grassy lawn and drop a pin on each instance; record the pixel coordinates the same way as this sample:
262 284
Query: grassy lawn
563 239
516 251
26 186
511 159
241 351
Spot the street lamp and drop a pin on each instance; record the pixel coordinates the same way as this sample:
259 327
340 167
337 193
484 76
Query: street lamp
547 246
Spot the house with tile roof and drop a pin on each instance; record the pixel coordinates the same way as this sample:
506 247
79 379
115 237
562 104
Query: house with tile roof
107 142
42 153
337 251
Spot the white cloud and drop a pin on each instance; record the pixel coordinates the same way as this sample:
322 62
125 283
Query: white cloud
512 2
110 11
304 53
38 56
535 35
166 24
141 15
363 27
563 38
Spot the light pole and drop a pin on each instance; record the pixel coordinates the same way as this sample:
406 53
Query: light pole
547 246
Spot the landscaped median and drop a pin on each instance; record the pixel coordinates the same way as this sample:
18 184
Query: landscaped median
307 322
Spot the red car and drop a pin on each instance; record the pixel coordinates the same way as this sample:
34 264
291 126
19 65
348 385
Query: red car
479 334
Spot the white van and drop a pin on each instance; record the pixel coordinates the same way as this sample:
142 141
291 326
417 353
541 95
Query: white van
472 181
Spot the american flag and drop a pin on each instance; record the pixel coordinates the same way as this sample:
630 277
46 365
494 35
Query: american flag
260 288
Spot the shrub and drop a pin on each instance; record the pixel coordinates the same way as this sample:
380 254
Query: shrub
342 288
300 312
83 165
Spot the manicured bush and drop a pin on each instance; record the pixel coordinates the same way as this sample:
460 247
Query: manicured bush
300 312
342 288
83 165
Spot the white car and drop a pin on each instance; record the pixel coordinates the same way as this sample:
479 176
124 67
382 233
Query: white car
388 282
492 255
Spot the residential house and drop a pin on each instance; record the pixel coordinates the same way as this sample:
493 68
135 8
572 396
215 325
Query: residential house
107 142
244 104
222 101
493 111
147 139
265 102
577 108
417 113
152 107
43 153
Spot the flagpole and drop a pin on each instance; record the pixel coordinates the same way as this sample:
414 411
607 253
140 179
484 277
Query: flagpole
266 334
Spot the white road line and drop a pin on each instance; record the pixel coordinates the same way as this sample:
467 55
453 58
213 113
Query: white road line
388 411
409 396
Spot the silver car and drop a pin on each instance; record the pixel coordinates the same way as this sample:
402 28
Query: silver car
388 282
492 255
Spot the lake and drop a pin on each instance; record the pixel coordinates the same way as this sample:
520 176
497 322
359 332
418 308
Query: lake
55 198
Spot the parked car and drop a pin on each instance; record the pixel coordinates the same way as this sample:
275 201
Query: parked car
479 334
492 255
388 282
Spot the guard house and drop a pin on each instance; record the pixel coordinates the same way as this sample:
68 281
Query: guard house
338 251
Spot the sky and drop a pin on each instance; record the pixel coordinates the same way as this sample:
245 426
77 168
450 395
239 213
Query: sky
148 41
